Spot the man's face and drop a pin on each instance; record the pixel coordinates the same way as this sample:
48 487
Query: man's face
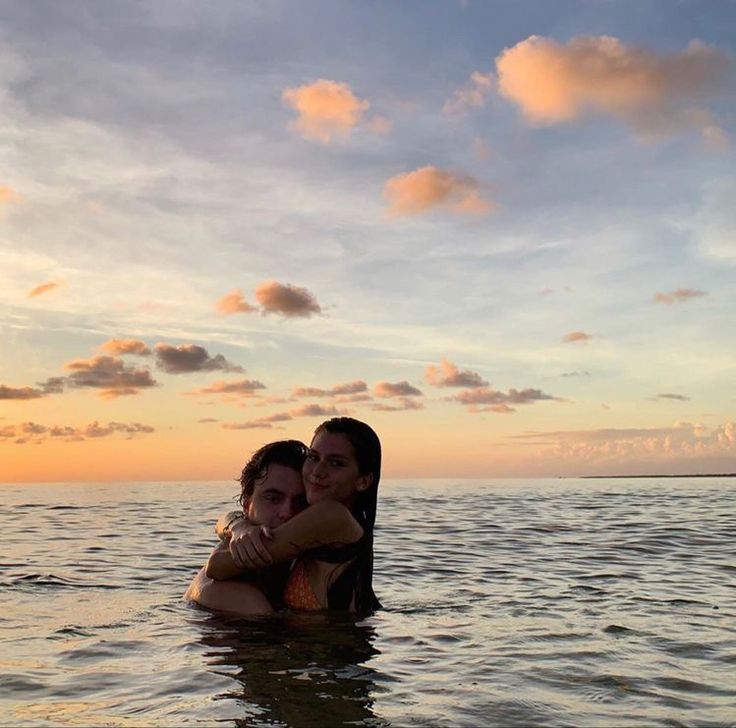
277 497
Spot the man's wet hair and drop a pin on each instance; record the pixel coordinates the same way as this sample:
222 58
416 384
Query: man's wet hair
289 453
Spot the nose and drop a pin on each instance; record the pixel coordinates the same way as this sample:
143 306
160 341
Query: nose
318 471
287 510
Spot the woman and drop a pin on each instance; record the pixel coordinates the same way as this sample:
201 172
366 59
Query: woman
330 541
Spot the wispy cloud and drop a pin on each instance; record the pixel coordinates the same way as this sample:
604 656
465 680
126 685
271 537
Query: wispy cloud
683 439
399 405
35 433
575 374
43 288
484 399
326 109
576 337
234 302
286 300
429 188
472 94
672 396
186 358
306 410
654 92
678 296
355 387
446 374
240 388
110 375
118 347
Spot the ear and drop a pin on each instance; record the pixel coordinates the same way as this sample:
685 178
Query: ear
364 482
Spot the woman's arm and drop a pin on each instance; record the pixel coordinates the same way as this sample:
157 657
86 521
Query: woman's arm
327 522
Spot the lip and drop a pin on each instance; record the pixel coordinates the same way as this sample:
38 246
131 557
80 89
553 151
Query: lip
318 486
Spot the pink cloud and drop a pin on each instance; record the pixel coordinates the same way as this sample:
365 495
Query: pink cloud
396 389
35 433
117 347
185 358
43 288
8 194
576 336
242 388
430 188
399 405
108 374
448 375
326 109
234 302
339 389
483 399
287 300
654 92
678 296
682 440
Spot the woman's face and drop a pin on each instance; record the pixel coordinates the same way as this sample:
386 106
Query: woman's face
331 470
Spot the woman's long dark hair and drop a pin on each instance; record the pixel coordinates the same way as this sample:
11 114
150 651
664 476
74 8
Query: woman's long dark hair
357 579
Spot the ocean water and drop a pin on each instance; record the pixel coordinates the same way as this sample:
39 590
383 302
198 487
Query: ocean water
507 603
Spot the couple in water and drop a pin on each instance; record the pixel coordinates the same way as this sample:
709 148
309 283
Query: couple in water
304 537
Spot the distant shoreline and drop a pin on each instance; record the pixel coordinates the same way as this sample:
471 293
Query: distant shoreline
661 475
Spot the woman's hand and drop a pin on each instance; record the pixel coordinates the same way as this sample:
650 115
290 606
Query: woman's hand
248 548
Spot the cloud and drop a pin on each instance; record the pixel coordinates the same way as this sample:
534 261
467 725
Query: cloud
678 296
653 92
664 443
575 374
234 302
325 109
8 194
243 387
43 288
677 397
307 410
35 433
19 392
491 400
575 336
355 387
186 358
110 375
254 425
287 300
116 347
379 124
397 389
472 94
53 385
399 405
429 187
448 375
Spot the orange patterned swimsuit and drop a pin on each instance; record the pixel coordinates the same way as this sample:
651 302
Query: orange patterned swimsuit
298 593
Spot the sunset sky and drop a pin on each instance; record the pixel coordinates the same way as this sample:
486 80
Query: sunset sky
502 233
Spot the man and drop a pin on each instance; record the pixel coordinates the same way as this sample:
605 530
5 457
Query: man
271 493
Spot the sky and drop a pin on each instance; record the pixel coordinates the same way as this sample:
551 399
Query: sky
501 233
